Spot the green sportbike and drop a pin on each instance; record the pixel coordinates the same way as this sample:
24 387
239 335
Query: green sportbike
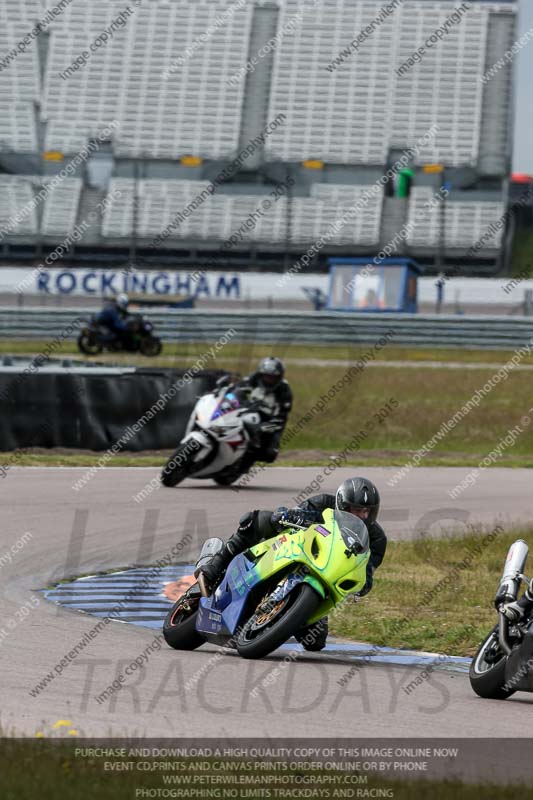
274 589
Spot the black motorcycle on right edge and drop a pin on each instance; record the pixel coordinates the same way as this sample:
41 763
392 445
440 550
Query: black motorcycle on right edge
138 338
503 664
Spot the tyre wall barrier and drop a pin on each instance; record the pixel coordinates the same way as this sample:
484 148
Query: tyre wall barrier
92 410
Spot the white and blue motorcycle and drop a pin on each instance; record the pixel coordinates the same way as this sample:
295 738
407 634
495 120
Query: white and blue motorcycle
221 429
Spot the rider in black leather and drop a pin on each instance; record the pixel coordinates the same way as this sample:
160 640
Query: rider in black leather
268 393
358 496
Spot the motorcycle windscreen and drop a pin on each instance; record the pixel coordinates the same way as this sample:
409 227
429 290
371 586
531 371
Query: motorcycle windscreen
353 531
230 402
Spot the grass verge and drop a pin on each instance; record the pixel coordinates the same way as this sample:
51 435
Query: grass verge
423 400
245 356
431 594
302 458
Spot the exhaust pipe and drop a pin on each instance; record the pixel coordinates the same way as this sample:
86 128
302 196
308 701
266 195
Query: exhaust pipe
514 567
210 548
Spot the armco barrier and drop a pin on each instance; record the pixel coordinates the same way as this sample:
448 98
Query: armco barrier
91 409
301 327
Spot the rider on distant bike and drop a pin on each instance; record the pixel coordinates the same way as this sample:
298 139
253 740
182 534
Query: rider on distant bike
114 317
267 390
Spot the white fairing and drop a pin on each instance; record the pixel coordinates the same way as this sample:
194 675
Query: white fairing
227 432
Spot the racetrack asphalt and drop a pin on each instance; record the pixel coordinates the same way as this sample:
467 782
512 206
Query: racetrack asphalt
206 692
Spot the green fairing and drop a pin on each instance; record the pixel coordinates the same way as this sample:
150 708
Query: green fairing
324 555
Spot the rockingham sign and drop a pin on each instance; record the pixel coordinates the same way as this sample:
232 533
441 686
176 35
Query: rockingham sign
229 285
100 283
111 282
224 285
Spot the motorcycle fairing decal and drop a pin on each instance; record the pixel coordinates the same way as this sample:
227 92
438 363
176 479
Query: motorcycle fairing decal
216 412
322 531
206 623
227 403
229 599
279 542
292 547
329 566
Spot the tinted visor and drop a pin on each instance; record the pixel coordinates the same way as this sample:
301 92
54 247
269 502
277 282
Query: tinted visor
270 380
363 512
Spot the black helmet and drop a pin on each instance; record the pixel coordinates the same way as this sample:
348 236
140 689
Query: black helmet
271 372
358 493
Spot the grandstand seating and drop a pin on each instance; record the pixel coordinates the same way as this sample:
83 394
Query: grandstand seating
118 216
19 79
465 221
217 218
354 113
195 110
337 116
61 207
327 204
223 214
16 194
444 89
358 113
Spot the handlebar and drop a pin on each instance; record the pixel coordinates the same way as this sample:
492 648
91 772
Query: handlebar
294 525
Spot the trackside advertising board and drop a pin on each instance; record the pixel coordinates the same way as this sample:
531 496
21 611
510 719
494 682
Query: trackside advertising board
195 283
234 285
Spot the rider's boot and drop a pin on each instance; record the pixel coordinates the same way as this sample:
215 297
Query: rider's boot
246 535
248 460
313 637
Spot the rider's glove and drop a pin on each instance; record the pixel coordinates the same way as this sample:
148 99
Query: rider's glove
247 522
271 426
512 611
284 518
277 517
259 408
